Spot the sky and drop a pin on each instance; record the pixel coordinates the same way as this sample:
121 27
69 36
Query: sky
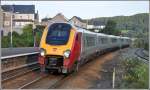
86 9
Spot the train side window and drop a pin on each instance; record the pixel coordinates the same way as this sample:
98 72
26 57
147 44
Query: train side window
85 41
99 40
114 40
90 41
102 39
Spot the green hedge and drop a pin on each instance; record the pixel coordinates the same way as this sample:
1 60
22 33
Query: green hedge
24 40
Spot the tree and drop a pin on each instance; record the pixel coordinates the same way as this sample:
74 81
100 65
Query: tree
110 28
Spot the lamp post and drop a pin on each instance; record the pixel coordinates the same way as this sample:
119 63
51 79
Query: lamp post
11 31
86 24
120 42
34 34
11 26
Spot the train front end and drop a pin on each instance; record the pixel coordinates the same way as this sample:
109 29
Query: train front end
57 48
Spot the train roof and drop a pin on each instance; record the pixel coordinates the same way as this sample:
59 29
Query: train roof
79 29
99 34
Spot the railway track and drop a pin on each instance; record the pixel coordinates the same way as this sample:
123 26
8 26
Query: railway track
32 82
45 82
22 79
140 53
31 79
15 72
27 76
58 82
18 74
35 80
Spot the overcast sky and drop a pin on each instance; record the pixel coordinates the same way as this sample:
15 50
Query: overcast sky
86 9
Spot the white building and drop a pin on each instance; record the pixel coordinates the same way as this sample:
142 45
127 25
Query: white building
1 20
21 16
95 27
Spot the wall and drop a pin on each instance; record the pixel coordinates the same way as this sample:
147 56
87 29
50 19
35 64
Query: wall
24 16
1 19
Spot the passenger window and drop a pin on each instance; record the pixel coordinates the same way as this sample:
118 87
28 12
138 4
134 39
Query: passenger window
104 40
114 40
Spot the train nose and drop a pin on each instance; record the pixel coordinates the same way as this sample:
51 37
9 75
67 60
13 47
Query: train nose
54 61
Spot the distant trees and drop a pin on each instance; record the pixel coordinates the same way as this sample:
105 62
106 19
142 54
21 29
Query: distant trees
135 22
110 28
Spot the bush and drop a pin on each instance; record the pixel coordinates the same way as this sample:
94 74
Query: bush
5 42
136 74
24 40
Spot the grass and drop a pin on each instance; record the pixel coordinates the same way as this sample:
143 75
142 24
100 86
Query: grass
124 31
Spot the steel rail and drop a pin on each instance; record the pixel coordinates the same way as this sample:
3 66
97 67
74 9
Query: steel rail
139 55
58 82
144 53
17 75
27 84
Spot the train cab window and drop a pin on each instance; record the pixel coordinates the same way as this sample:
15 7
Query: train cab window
58 34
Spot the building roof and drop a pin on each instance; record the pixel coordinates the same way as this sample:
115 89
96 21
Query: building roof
77 18
60 15
22 9
46 19
7 8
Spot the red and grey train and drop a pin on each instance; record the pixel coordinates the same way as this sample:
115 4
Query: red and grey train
64 47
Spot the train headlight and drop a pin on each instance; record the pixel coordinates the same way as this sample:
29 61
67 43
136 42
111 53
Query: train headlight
67 53
42 52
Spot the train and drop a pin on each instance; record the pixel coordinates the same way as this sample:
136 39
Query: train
65 47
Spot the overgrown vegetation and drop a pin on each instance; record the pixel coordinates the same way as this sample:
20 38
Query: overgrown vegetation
110 28
136 74
142 40
24 40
